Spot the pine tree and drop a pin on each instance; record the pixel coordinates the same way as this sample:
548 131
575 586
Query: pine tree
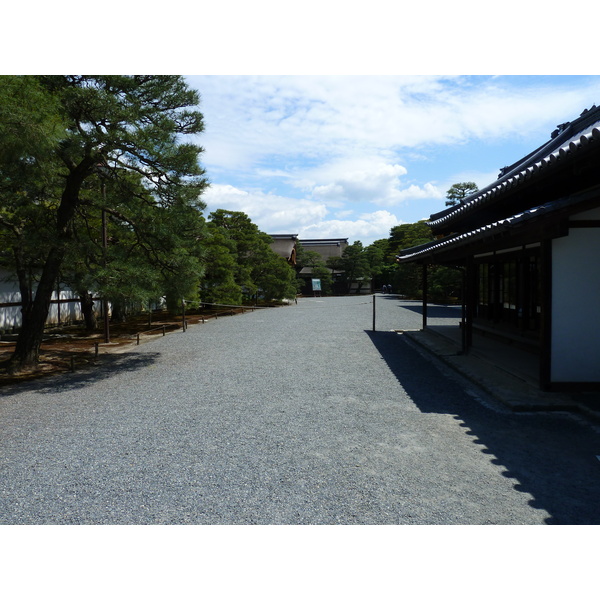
111 127
459 191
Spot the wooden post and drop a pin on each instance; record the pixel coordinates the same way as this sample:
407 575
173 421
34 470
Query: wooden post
545 373
58 302
105 250
464 301
471 299
374 312
425 291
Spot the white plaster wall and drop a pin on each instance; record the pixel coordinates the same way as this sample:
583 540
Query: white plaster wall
10 317
575 306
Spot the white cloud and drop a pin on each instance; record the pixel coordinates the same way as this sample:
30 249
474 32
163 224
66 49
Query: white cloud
367 228
366 184
272 213
415 192
250 119
278 214
348 144
363 180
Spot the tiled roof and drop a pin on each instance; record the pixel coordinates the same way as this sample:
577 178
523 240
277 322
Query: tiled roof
568 140
510 225
324 242
487 230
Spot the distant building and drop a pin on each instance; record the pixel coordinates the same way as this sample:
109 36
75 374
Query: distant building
332 248
326 248
528 246
284 244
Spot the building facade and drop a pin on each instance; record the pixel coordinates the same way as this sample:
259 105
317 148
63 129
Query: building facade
284 244
527 246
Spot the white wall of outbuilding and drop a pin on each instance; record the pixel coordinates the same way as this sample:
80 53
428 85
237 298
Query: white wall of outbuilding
67 310
575 332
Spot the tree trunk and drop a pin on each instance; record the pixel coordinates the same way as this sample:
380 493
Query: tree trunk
27 349
87 308
24 280
119 311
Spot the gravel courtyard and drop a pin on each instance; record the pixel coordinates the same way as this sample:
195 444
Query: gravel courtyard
291 415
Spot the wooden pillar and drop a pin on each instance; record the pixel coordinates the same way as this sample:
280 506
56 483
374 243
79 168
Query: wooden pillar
425 292
104 251
546 317
463 300
470 300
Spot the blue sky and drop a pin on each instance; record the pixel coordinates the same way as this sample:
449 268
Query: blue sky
332 118
352 156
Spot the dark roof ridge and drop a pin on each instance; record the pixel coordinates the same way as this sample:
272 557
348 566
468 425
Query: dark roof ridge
324 240
559 136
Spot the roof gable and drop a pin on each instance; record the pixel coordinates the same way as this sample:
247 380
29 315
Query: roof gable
566 143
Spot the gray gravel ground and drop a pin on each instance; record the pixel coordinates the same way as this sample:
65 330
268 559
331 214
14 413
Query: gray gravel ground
293 415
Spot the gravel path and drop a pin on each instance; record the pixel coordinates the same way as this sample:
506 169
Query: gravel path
294 415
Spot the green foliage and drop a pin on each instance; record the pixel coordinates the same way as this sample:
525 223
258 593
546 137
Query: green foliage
312 260
382 264
444 283
243 262
354 265
219 285
407 277
152 250
459 191
30 123
275 278
72 135
30 127
321 272
408 235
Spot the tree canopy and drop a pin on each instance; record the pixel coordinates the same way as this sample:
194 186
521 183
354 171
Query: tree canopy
74 137
242 263
353 264
459 191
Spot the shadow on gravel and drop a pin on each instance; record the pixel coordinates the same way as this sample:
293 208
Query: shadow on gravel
550 456
105 367
435 311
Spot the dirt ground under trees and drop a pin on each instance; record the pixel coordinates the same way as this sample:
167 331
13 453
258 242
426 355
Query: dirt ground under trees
71 348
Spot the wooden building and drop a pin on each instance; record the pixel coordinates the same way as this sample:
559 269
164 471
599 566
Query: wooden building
327 247
284 244
528 247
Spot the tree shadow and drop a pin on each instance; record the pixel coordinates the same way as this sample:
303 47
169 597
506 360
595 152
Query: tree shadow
104 367
552 457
